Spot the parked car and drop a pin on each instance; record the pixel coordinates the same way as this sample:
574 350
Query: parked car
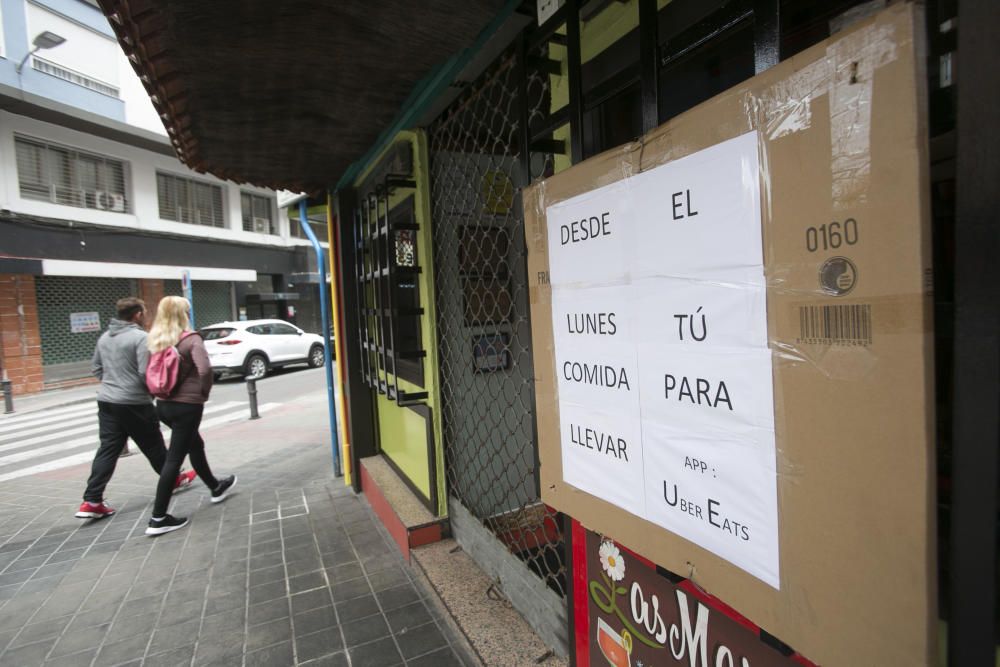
253 347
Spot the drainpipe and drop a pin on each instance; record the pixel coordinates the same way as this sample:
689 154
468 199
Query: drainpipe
325 312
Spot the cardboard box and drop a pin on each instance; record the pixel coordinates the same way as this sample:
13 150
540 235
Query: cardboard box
819 167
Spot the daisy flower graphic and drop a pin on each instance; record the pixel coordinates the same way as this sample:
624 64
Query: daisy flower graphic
612 561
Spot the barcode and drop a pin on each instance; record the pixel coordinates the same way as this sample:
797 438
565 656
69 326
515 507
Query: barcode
846 324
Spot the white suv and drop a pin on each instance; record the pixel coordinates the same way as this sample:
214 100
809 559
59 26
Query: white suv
252 347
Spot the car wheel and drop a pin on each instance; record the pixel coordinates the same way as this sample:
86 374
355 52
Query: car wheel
316 356
256 367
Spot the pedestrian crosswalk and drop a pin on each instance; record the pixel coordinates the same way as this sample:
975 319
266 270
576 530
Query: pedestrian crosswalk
61 437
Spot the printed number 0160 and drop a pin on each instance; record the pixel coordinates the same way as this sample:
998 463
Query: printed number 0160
832 236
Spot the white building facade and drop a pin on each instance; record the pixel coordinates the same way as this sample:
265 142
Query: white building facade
95 206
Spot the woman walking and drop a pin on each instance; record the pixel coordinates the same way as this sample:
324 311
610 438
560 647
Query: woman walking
183 410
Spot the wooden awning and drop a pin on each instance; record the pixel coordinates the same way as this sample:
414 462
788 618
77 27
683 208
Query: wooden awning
286 94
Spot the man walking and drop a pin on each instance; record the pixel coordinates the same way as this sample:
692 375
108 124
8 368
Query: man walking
124 406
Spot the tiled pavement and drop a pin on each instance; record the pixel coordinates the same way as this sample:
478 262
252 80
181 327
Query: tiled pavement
293 569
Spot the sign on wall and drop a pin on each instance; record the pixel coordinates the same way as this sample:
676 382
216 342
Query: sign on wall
663 371
637 617
84 322
665 424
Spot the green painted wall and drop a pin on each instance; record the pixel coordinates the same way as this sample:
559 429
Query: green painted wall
403 438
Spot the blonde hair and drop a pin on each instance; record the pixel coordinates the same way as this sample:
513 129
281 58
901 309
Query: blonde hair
171 321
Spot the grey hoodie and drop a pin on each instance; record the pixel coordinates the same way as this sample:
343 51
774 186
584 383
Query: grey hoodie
120 360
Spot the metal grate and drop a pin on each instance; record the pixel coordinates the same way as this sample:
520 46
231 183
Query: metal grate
479 160
213 301
389 310
59 298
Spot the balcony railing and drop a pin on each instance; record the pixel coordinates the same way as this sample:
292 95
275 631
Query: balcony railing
66 74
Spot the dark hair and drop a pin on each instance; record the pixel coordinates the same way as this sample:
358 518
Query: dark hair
129 307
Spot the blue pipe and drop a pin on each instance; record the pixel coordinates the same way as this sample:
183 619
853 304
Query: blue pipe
324 304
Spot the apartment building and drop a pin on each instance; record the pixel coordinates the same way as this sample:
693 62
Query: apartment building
95 205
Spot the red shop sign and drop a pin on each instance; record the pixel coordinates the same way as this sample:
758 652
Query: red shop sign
629 615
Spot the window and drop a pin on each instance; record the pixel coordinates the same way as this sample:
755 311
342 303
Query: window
215 334
47 172
405 295
257 216
188 200
318 227
283 330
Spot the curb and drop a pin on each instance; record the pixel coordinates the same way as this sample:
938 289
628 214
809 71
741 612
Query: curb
30 409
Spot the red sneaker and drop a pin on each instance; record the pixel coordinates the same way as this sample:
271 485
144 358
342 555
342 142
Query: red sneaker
94 510
184 480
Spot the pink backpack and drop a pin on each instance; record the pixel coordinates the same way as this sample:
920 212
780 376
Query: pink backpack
164 369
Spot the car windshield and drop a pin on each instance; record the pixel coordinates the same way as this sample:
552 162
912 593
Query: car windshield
215 334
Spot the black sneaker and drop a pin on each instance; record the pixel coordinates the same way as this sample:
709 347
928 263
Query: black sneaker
165 525
220 492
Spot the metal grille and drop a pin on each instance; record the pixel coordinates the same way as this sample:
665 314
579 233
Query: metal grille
80 79
59 298
61 175
478 165
389 310
213 301
172 288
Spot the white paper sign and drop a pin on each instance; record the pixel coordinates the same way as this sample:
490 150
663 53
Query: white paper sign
600 445
659 318
84 322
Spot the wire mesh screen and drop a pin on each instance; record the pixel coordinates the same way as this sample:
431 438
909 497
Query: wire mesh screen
74 312
212 300
478 166
173 288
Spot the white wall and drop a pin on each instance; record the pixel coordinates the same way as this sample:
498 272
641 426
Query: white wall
139 110
85 51
97 56
3 38
141 187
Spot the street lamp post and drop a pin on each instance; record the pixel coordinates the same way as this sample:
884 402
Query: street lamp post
43 40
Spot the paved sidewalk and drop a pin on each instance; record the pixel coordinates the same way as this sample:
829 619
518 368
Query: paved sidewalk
293 569
43 400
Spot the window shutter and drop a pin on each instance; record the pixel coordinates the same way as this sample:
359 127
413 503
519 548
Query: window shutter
167 197
217 211
245 210
65 176
31 171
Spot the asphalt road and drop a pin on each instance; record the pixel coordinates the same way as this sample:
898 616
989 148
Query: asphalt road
282 385
64 436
